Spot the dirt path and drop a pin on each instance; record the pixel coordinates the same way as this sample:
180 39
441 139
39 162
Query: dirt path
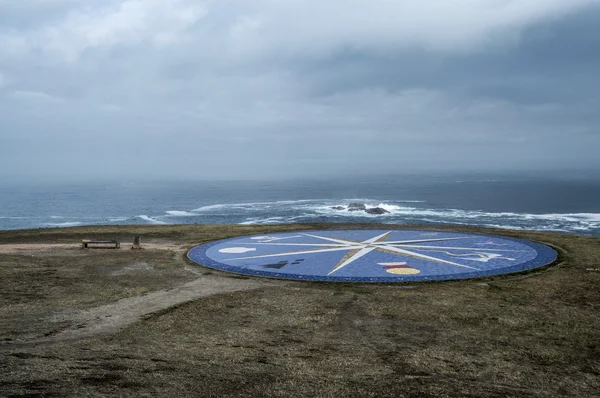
111 318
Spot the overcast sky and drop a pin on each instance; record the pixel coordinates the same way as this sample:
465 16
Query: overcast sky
276 88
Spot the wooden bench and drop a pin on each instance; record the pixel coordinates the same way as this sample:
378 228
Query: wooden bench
85 243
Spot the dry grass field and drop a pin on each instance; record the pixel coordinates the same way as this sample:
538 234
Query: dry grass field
103 322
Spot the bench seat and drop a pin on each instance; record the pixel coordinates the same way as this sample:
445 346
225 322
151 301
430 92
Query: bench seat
86 242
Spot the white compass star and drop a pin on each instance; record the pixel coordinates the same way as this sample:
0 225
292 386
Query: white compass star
356 250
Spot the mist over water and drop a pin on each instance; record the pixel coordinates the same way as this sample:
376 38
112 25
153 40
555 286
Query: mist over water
536 203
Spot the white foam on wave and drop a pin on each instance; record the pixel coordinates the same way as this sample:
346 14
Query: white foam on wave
211 207
257 213
592 218
150 220
63 224
118 219
478 214
503 226
311 208
301 204
507 220
387 207
582 227
180 213
253 205
574 217
258 221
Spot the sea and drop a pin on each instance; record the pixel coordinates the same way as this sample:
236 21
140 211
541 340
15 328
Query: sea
542 202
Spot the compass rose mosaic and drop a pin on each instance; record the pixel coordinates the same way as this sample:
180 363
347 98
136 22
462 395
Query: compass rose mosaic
372 255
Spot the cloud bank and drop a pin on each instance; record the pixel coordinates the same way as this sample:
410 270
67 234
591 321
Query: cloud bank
296 88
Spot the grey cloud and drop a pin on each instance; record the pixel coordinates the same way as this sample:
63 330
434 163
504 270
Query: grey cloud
274 88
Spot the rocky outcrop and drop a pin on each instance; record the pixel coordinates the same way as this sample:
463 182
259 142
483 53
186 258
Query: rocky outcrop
357 207
376 210
361 207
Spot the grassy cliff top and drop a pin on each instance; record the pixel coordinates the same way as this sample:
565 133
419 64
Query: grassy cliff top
148 322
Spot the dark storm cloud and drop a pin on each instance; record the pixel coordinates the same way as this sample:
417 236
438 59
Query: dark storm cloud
557 58
277 88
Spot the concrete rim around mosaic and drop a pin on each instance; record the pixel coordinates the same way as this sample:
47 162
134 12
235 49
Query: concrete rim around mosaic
487 259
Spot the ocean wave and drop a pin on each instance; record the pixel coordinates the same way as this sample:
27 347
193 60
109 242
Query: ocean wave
253 205
593 218
337 211
588 217
150 220
582 227
180 213
211 207
312 208
258 221
118 219
63 224
504 226
319 205
466 214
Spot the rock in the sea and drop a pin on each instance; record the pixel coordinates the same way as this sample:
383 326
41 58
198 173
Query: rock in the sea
338 208
376 210
356 207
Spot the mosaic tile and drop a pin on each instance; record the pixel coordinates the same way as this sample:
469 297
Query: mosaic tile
372 255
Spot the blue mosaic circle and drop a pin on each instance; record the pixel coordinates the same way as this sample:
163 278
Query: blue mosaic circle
372 255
